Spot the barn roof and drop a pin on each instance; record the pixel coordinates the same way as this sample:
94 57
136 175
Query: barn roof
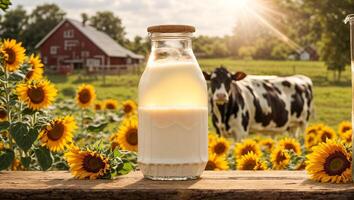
100 39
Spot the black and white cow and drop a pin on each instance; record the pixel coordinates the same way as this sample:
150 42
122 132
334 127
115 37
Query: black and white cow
243 103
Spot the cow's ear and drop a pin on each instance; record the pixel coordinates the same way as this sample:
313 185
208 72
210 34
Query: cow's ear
239 76
206 75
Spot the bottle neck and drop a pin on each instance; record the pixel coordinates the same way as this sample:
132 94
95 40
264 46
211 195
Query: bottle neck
181 41
171 47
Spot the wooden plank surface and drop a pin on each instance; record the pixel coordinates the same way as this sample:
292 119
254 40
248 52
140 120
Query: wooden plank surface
212 185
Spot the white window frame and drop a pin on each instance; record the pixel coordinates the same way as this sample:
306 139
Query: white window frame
93 62
85 54
69 33
68 44
54 50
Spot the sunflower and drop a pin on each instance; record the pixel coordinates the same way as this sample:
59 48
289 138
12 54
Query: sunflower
314 129
85 95
14 54
16 165
267 144
310 141
212 138
326 133
216 163
344 126
58 134
250 161
127 135
329 162
111 104
129 106
347 137
2 146
86 163
290 144
35 71
247 146
3 114
220 146
280 158
36 94
98 106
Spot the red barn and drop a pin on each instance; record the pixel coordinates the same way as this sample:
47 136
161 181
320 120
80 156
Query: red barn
74 45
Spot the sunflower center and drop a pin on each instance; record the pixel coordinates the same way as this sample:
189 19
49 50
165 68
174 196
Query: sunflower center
132 136
247 149
346 128
11 56
93 164
84 96
290 146
336 164
280 157
110 106
29 74
219 148
56 132
326 135
36 95
3 113
128 108
249 165
98 107
210 165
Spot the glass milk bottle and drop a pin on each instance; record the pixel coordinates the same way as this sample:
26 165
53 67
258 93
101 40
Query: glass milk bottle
173 108
350 19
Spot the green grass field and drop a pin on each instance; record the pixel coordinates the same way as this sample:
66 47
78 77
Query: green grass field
332 99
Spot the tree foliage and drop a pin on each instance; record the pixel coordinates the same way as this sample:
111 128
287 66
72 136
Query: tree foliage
320 22
107 22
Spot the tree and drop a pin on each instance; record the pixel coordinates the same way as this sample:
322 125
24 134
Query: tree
14 23
84 18
139 45
41 21
320 22
107 22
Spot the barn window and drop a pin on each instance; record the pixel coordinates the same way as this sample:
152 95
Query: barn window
54 50
45 60
85 53
93 62
69 33
68 44
129 60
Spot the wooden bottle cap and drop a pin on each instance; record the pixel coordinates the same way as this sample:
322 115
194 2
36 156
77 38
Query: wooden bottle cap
171 29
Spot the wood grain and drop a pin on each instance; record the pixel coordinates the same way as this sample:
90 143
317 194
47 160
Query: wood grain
213 185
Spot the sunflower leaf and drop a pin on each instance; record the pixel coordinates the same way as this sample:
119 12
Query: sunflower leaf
44 158
25 161
23 135
16 76
28 111
6 158
97 128
4 125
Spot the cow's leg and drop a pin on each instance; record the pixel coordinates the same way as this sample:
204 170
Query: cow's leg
215 123
300 131
236 129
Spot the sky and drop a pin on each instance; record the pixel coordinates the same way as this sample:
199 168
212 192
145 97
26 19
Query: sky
210 17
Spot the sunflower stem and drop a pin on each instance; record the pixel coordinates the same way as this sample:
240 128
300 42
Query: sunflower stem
82 119
6 86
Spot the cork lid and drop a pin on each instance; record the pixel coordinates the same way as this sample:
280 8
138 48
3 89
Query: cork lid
171 29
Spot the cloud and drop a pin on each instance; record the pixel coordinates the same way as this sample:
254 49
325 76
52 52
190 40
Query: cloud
209 16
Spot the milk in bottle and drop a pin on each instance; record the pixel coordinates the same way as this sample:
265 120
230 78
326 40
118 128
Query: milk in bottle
173 108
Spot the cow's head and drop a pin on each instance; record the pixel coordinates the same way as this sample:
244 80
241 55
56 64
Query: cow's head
220 83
